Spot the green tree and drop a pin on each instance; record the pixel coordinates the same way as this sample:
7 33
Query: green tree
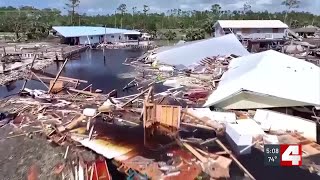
216 10
134 10
207 26
290 4
145 11
170 35
246 7
152 29
71 8
195 34
122 9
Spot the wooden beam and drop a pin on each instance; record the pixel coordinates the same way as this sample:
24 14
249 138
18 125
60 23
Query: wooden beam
40 80
198 126
195 153
204 121
25 82
134 98
59 79
84 92
58 74
234 159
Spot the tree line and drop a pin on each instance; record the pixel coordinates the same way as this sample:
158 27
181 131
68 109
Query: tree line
36 23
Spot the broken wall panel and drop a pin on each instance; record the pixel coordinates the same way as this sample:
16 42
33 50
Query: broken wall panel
221 117
275 121
242 134
168 115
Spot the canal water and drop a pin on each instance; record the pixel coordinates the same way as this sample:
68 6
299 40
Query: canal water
102 69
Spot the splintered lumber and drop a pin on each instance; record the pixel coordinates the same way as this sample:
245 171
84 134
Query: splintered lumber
204 121
198 126
150 84
40 80
66 153
84 92
58 74
25 82
91 131
57 87
195 152
65 79
75 122
234 158
149 94
134 98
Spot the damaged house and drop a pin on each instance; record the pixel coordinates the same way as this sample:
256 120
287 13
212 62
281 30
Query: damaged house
190 53
251 29
266 80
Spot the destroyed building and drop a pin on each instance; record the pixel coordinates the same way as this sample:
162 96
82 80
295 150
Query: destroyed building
251 29
265 80
172 133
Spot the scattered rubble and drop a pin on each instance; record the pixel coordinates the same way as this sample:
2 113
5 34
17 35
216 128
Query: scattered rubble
149 135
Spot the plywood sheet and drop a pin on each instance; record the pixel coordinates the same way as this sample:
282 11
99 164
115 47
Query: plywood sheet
168 115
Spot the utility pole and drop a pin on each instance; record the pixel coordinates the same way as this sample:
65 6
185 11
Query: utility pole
105 34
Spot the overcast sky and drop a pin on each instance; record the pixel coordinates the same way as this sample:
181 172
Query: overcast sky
108 6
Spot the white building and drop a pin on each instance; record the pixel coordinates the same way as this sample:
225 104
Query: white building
84 35
269 79
251 29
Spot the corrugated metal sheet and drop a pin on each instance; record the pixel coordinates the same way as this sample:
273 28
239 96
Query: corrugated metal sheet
192 52
271 75
78 31
251 24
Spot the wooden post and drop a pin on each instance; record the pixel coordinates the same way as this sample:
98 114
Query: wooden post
40 80
58 74
4 51
25 82
234 159
308 50
82 90
134 98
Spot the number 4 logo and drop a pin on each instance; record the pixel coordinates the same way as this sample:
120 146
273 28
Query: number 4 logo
291 155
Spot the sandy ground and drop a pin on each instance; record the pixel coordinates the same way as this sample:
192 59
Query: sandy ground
19 154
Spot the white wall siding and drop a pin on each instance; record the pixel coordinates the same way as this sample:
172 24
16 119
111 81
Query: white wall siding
89 40
98 39
115 38
218 31
262 33
253 33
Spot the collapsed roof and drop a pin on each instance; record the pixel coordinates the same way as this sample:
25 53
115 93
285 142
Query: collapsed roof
190 53
265 80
